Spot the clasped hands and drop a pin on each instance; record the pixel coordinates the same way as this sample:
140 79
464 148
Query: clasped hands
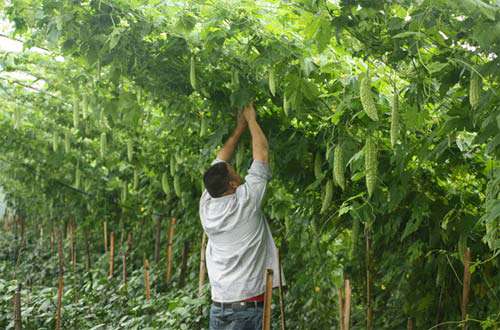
245 116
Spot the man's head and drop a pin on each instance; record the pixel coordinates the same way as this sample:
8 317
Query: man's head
221 179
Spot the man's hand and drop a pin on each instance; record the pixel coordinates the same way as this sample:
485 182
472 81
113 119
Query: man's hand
241 122
249 113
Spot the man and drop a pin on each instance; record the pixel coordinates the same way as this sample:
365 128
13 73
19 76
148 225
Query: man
240 245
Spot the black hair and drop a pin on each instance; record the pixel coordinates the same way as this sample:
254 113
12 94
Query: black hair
216 179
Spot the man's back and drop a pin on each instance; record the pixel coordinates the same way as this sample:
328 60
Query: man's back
240 245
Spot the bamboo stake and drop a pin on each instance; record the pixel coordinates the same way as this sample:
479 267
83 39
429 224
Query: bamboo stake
60 287
466 286
341 308
369 308
170 255
282 303
347 303
203 270
146 280
111 254
185 257
266 321
105 229
18 323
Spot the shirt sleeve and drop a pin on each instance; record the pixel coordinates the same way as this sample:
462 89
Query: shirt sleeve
256 180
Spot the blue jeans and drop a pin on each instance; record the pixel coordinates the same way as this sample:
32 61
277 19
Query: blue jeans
246 318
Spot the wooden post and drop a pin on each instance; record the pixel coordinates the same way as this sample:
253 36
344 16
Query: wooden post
369 305
158 240
185 257
23 236
347 303
122 230
203 270
170 255
124 268
282 303
466 286
409 325
87 251
268 297
125 256
18 323
341 308
60 287
69 235
111 255
52 242
73 246
105 229
146 280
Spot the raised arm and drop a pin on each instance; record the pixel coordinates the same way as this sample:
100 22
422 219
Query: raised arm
227 150
260 147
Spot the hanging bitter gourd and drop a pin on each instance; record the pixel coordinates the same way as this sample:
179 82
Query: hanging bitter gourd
84 106
177 186
338 166
139 95
395 119
77 177
67 142
103 144
130 151
235 78
192 73
203 126
328 153
327 198
17 117
55 143
286 105
76 114
165 184
317 165
124 191
366 96
272 82
136 179
371 164
474 90
173 165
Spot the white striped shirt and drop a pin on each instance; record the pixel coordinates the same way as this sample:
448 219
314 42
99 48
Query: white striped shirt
240 246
